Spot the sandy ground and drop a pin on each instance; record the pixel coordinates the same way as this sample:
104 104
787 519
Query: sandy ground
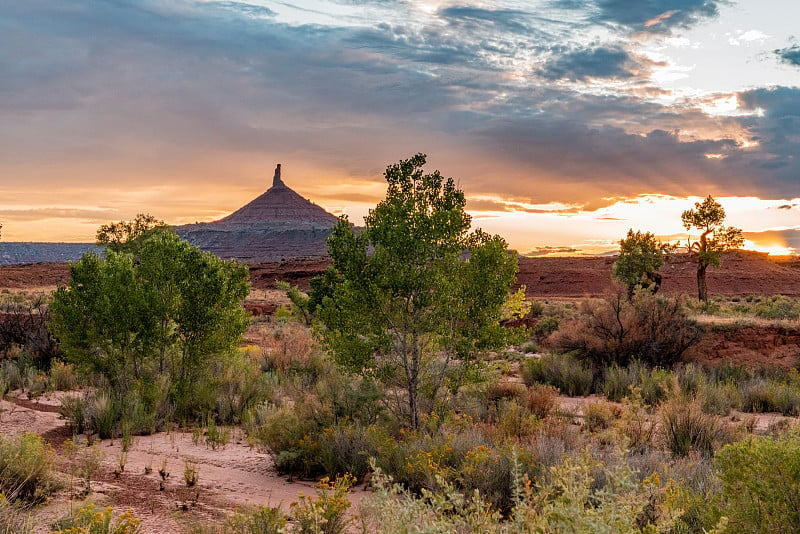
228 477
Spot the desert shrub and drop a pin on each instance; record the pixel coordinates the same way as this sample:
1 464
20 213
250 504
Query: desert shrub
586 495
545 326
89 520
352 398
73 409
324 514
147 406
636 424
685 428
719 398
759 478
23 325
651 329
14 519
691 378
289 348
63 376
654 385
26 468
778 307
346 449
570 376
600 415
240 385
256 520
12 374
542 400
102 414
503 389
392 509
488 471
291 434
618 381
517 421
772 392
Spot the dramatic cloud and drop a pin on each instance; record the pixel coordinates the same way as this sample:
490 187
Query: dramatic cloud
600 62
790 55
539 108
656 15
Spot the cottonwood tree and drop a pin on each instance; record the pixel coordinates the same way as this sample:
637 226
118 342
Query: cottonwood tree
167 315
708 217
128 236
641 255
413 296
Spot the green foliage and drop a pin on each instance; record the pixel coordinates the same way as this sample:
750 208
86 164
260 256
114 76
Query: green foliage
26 464
708 217
653 385
300 303
778 307
564 371
89 520
325 513
172 311
403 301
641 255
256 520
760 477
128 236
687 428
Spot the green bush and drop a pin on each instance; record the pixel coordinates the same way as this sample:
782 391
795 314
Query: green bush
103 414
73 409
570 376
778 307
761 394
88 520
719 398
654 385
26 469
324 514
687 428
760 477
257 520
63 376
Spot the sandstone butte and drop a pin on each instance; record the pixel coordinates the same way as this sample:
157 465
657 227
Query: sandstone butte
279 224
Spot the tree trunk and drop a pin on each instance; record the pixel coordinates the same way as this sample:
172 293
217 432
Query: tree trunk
702 288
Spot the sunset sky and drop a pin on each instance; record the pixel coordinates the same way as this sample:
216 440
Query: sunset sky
565 122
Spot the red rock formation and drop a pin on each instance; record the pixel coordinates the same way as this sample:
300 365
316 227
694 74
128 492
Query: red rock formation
278 224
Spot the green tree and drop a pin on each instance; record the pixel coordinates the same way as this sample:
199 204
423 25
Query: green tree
128 236
172 313
708 217
641 255
413 296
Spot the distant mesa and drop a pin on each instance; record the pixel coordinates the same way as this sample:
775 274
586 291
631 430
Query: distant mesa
279 224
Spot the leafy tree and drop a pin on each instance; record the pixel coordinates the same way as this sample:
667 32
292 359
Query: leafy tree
172 313
641 255
414 295
708 217
128 236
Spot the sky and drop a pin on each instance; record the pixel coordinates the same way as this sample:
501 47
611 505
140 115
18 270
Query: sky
565 122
